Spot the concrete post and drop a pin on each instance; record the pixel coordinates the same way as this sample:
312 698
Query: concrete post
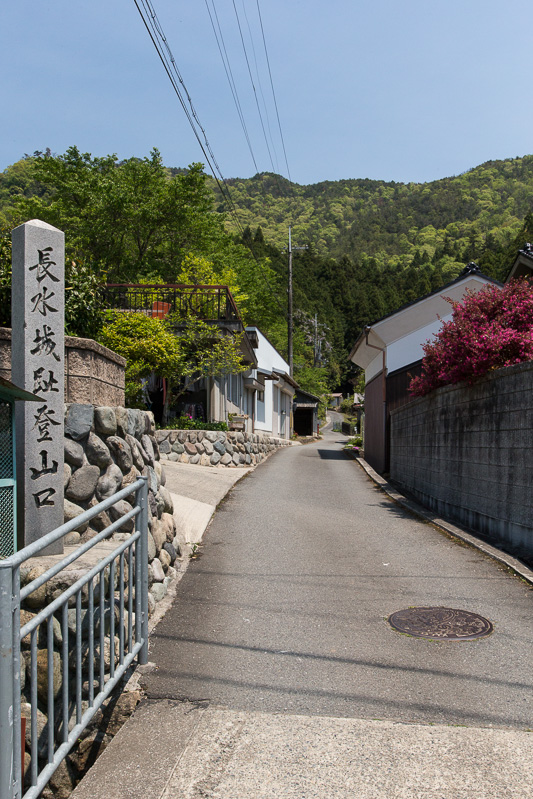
38 365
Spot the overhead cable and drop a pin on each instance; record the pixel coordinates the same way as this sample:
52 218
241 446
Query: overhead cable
260 87
155 31
273 92
253 85
229 74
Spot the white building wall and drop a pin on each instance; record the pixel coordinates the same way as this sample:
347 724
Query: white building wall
374 367
405 350
408 349
267 413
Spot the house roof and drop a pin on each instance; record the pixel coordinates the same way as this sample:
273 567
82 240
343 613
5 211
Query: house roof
305 397
523 263
284 376
10 391
415 315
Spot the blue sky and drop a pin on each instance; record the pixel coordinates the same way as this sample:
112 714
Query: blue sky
405 91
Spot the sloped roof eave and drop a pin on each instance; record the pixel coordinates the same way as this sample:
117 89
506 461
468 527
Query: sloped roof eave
383 332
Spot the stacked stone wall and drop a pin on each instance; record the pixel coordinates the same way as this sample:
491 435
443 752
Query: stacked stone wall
216 447
107 449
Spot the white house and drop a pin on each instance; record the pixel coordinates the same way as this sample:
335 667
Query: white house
272 387
258 400
391 351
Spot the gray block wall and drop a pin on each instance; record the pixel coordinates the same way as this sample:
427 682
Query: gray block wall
466 453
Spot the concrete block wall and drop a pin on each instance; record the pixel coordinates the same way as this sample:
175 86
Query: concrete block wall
466 453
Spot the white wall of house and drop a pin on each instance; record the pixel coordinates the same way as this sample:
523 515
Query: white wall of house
269 410
273 405
408 349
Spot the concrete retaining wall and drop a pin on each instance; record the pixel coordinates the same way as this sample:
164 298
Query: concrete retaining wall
465 452
217 448
93 373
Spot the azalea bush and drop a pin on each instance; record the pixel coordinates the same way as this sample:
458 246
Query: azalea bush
488 330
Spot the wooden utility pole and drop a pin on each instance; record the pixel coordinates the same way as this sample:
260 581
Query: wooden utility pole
289 321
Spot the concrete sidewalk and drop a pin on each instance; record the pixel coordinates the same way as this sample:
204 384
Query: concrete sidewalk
176 750
196 492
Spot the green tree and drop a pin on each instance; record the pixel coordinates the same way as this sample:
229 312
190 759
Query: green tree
83 295
173 349
147 344
123 217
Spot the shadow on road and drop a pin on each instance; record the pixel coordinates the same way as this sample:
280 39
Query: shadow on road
332 454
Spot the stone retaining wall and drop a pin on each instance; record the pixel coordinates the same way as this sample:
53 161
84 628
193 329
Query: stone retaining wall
107 449
216 447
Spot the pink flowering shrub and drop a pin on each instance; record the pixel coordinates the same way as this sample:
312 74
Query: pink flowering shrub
488 329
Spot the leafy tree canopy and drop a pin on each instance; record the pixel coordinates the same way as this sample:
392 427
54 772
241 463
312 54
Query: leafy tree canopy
372 246
153 345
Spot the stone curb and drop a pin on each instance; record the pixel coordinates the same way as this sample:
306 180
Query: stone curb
451 529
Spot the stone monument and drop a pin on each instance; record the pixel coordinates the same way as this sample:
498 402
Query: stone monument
38 365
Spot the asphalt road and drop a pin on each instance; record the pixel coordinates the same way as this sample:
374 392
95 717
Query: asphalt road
286 609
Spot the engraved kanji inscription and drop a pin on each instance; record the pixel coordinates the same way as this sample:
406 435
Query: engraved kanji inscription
45 469
44 497
44 265
45 344
41 302
43 422
42 384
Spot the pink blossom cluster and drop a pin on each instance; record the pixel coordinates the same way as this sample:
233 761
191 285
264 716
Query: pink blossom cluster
489 329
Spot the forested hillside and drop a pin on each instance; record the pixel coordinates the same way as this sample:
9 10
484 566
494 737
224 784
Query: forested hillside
372 245
458 216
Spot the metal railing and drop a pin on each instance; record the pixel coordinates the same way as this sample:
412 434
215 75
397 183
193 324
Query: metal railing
105 629
211 304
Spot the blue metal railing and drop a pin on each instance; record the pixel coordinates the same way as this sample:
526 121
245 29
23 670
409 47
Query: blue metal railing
110 598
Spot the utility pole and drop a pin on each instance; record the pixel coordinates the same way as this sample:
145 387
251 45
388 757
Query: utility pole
316 358
289 321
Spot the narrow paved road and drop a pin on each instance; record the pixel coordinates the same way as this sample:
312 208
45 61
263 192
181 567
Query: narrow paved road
285 611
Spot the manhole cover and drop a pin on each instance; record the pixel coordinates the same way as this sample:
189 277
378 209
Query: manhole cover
447 623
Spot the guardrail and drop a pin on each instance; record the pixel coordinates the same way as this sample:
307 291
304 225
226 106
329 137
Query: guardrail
109 602
212 304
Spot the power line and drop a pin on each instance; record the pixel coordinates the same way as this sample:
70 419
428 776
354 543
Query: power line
273 92
229 74
260 87
155 31
153 36
253 86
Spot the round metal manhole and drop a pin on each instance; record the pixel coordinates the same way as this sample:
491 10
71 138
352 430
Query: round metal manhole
447 624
